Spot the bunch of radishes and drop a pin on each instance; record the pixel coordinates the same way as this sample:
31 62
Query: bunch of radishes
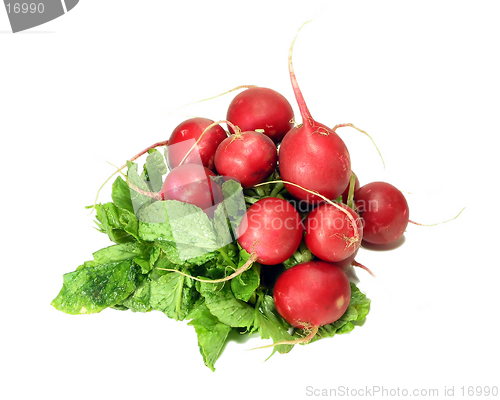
316 199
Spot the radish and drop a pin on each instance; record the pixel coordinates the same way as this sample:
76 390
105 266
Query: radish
312 155
179 144
384 211
330 234
271 230
262 108
191 183
312 294
250 157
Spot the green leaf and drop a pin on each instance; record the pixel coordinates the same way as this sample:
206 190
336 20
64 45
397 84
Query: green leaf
91 290
271 325
121 195
234 203
245 284
139 301
222 304
154 169
301 255
222 226
144 254
119 224
174 294
139 201
212 333
182 230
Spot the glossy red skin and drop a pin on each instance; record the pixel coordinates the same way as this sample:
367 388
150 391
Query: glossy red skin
327 228
250 159
272 229
345 194
384 211
261 108
314 293
192 129
314 161
190 183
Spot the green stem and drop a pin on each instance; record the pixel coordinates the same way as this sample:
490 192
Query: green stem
226 257
260 192
350 196
251 200
250 192
277 188
305 252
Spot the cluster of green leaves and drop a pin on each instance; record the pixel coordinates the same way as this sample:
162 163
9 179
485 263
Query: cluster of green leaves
155 239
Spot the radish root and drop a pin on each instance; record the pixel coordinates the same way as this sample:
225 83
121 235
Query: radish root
239 271
306 339
362 131
214 97
153 195
438 223
357 264
164 143
304 111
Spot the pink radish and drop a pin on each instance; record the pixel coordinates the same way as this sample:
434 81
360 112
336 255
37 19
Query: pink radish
312 294
261 108
191 183
312 155
384 211
330 234
179 144
271 230
250 157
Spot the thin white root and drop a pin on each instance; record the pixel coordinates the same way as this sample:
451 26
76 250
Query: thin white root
239 271
306 339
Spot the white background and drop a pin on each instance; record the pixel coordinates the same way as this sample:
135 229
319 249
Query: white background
97 85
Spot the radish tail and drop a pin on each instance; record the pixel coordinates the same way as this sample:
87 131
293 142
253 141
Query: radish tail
164 143
214 97
304 111
305 339
438 223
357 264
239 271
362 131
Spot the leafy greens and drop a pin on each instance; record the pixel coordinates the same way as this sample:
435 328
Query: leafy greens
150 236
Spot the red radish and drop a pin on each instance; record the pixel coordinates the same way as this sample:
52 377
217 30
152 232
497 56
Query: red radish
384 211
179 144
345 194
312 155
312 294
250 157
271 229
330 234
261 108
191 183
